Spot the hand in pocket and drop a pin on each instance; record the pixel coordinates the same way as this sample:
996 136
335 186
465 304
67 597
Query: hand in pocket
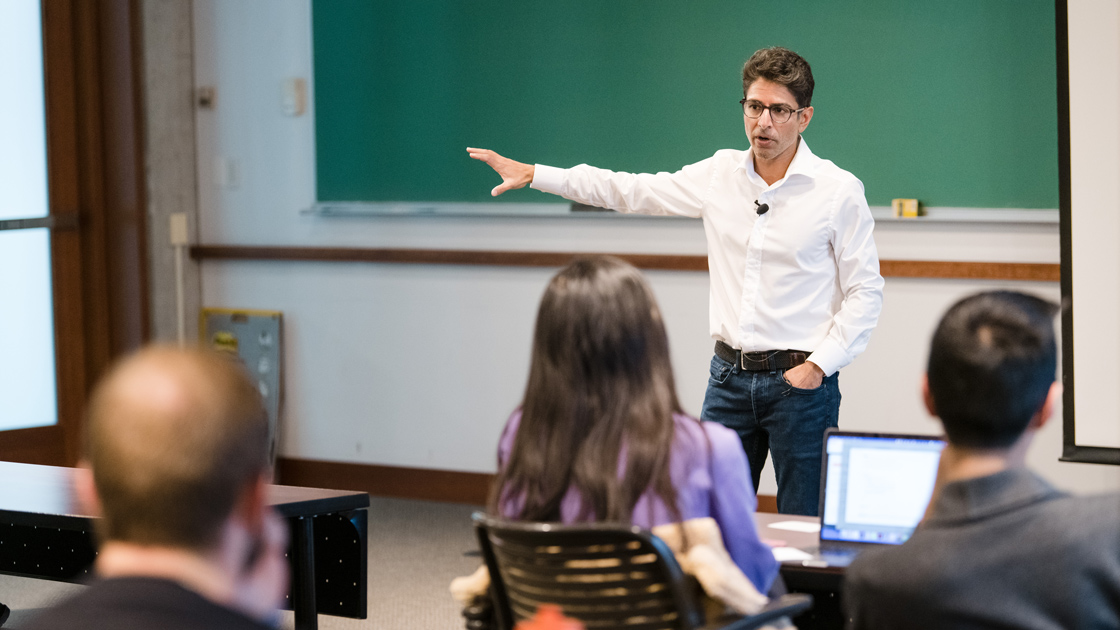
805 376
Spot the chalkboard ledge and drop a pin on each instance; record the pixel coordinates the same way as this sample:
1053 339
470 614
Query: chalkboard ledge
464 209
934 214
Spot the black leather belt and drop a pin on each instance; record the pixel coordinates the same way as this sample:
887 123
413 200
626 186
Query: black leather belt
764 361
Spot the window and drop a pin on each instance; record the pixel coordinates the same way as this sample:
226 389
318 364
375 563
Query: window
27 352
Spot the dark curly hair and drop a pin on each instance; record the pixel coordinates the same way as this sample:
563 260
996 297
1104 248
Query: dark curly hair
784 67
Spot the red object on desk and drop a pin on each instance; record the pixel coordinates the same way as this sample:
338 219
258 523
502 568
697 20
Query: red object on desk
549 617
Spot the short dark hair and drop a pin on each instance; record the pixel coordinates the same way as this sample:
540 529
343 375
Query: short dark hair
173 437
784 67
991 364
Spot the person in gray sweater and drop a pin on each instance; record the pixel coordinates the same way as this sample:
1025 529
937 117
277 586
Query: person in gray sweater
999 547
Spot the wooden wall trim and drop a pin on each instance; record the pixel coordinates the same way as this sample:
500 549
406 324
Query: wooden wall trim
386 481
40 445
426 484
891 268
435 256
1040 272
768 503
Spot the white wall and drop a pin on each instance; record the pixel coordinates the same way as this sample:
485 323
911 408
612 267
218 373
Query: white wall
419 365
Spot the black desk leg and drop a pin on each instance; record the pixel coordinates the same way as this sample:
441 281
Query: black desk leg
303 579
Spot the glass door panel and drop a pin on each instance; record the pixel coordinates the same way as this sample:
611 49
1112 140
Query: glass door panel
23 150
28 385
27 369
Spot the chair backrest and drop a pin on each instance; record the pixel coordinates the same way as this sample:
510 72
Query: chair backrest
607 576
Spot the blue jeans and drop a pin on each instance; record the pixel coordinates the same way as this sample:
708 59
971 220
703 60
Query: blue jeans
769 414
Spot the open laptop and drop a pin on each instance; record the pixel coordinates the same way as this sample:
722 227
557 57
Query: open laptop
874 490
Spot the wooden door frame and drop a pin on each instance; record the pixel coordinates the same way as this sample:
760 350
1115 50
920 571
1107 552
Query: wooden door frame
92 79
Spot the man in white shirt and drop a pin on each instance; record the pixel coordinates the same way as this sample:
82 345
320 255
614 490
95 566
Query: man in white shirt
795 285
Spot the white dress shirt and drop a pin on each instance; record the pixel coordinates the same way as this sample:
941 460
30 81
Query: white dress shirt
802 276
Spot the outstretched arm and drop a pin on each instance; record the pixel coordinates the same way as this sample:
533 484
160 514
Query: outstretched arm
514 174
681 193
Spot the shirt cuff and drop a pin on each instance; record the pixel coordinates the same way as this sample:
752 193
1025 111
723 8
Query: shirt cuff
829 357
548 179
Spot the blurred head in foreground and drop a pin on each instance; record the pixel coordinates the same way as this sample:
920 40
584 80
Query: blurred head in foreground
173 438
176 468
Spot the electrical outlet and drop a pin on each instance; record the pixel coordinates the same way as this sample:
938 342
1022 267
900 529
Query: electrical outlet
227 173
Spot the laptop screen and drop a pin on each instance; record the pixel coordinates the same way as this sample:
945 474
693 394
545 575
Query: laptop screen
876 487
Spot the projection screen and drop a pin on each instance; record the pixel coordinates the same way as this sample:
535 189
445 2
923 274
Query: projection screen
1088 42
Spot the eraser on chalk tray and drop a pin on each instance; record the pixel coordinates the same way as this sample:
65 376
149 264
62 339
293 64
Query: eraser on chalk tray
906 208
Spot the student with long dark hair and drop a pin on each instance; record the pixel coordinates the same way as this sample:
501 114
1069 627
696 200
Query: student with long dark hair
600 435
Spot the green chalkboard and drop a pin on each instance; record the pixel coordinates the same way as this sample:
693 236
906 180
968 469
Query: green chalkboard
952 102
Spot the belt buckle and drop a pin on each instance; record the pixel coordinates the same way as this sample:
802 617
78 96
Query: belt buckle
743 359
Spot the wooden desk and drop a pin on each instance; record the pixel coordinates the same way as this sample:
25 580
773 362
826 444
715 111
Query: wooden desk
44 535
823 583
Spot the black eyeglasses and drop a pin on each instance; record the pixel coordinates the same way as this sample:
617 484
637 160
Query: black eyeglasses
778 113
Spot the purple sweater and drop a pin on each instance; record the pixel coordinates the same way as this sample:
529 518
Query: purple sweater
731 501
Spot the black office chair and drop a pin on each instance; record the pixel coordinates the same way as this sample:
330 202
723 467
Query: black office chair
609 577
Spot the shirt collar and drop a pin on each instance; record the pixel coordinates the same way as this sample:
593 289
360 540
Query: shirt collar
983 497
804 163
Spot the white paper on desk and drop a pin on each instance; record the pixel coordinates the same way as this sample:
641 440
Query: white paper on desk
790 554
797 526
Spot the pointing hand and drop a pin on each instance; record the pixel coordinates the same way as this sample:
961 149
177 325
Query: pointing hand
514 174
